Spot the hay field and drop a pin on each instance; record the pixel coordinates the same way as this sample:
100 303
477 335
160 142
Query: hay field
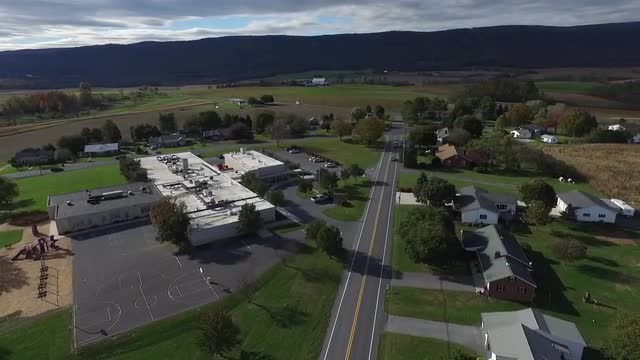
612 169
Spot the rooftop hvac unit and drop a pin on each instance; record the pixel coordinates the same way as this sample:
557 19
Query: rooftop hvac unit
185 164
130 192
113 194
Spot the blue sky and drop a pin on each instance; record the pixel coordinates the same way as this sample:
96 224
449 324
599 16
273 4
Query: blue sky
63 23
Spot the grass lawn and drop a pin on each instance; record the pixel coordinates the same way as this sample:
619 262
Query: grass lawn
34 190
286 228
8 238
578 87
610 272
499 183
357 191
44 337
448 306
5 169
404 347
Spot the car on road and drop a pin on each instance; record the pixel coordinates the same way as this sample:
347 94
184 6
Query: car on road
330 165
319 198
57 169
396 143
394 159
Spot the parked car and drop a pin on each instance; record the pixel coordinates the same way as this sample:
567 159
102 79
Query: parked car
294 151
394 159
396 143
330 165
57 169
318 198
317 160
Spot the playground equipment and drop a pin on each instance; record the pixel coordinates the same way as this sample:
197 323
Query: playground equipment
37 248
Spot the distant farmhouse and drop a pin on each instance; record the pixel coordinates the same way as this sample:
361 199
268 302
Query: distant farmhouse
32 157
502 264
478 206
174 140
530 335
549 139
521 133
588 207
616 127
317 82
102 149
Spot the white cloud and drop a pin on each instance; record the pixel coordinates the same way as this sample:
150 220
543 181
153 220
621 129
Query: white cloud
55 23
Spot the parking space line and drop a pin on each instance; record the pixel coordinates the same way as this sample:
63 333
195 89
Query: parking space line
140 278
178 260
245 244
75 336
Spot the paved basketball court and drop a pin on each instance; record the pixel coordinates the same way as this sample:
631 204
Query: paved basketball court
124 279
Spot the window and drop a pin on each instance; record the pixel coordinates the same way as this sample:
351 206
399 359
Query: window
500 288
483 217
522 290
586 214
512 279
501 206
601 216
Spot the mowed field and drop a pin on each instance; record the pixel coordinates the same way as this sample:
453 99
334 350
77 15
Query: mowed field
612 169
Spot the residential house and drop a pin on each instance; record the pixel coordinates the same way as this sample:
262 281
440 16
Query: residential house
213 135
635 139
520 133
550 139
314 122
616 127
450 157
102 149
441 134
588 207
173 140
502 265
478 206
317 82
529 334
32 157
238 101
535 129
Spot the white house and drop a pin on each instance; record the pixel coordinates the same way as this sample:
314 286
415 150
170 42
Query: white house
550 139
477 206
317 82
588 208
520 133
441 134
625 209
635 139
616 127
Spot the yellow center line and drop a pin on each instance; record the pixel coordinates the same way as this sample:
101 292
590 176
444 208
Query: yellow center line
364 278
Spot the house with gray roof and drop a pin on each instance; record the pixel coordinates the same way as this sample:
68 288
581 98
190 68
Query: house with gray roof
477 206
530 335
502 265
173 140
588 207
102 149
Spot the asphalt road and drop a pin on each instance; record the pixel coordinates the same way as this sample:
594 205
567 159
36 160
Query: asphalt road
358 314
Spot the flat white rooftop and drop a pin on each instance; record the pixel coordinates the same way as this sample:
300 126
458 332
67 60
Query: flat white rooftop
212 197
252 160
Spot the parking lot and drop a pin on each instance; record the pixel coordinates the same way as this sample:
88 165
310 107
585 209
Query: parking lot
302 158
124 279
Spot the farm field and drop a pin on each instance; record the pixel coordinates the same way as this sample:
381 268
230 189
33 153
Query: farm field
612 169
404 347
258 310
577 87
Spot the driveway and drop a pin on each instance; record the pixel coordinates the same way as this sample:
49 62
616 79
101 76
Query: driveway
464 335
430 281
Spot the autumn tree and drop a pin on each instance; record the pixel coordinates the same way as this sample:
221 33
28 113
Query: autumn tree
537 213
577 123
267 99
428 234
538 189
368 131
279 130
340 128
434 191
171 222
358 114
111 132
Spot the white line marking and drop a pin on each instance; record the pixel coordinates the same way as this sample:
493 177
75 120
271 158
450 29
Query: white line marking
178 260
245 244
108 313
179 292
140 278
384 253
145 301
353 260
209 284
